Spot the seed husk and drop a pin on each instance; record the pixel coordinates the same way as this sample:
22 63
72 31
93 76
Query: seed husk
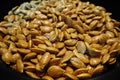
53 69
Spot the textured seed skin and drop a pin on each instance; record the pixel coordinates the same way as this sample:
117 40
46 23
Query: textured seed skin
32 75
70 42
94 61
76 62
7 57
105 58
81 56
52 71
19 65
67 56
44 60
59 39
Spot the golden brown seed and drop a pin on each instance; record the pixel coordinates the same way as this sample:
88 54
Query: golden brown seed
71 76
95 33
46 29
90 69
1 38
55 61
105 58
85 26
98 69
46 22
44 60
23 51
80 71
38 50
94 61
34 32
60 45
114 46
32 25
109 26
69 70
79 28
35 61
7 57
66 35
81 37
67 56
11 30
3 50
65 26
103 38
63 65
110 34
115 32
81 56
30 43
12 46
47 78
74 35
52 56
15 57
31 74
96 46
76 62
37 41
112 41
60 24
70 42
93 24
21 37
70 30
30 68
62 52
53 69
37 67
61 36
61 78
87 38
70 48
84 75
48 43
29 56
39 56
25 31
3 45
104 51
20 65
22 44
42 46
74 16
13 38
52 50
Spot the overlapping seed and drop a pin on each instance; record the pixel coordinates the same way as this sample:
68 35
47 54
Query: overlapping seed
59 39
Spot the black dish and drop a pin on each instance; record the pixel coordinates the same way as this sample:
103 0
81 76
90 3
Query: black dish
6 73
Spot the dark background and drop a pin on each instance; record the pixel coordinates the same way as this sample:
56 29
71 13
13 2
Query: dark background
110 5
